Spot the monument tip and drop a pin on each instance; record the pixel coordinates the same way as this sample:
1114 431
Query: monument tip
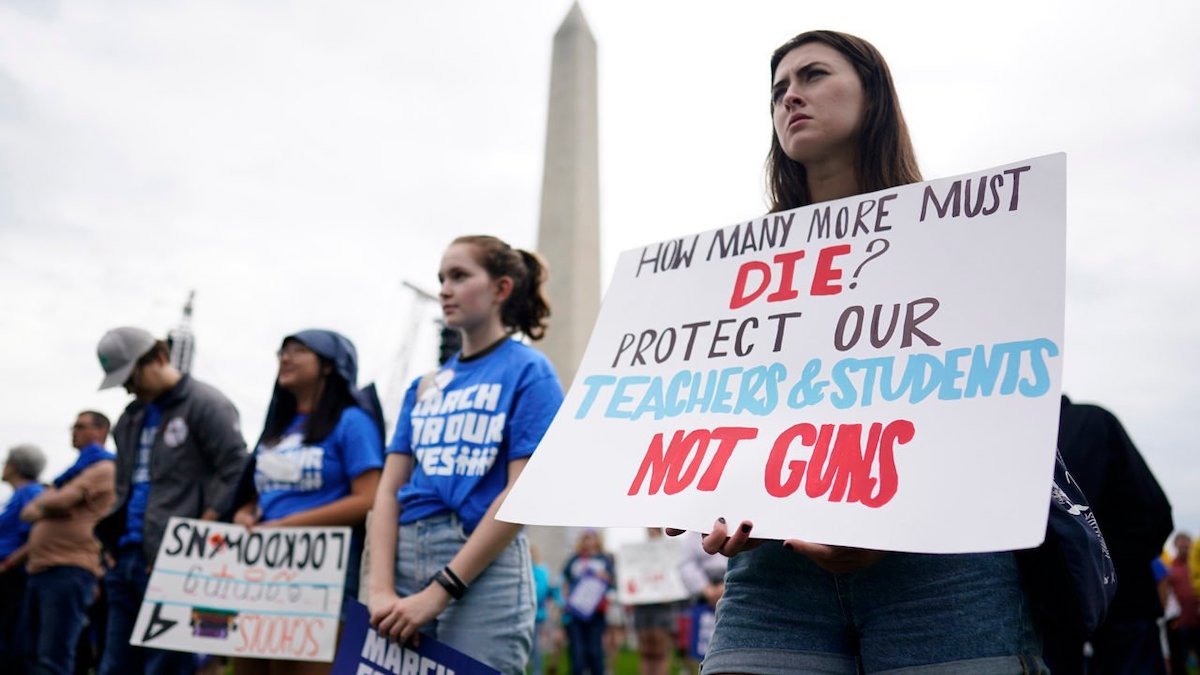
574 20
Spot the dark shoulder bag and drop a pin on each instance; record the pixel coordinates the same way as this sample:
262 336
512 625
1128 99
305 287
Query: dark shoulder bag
1070 577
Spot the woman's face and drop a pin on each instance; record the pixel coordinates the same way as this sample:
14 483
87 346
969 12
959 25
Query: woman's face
469 295
817 104
589 543
299 366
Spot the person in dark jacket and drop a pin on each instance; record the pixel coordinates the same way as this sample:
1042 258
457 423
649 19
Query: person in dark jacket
180 452
1135 517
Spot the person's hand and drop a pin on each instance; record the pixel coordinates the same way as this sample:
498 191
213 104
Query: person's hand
247 516
720 541
399 618
835 559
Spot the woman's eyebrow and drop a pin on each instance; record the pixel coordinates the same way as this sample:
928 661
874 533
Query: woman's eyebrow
801 70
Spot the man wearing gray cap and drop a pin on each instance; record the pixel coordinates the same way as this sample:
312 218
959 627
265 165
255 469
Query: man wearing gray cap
180 452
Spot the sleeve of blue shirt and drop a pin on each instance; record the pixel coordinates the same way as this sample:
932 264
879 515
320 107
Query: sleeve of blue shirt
537 401
361 448
402 439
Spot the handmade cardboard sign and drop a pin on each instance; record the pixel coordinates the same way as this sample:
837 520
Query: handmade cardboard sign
222 589
879 371
364 652
648 572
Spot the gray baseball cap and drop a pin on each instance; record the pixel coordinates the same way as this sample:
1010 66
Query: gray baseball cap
119 351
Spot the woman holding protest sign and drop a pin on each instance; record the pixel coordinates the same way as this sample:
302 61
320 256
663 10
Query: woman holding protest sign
796 606
319 458
587 577
465 433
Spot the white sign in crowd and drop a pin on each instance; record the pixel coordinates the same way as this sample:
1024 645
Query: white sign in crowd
880 371
222 589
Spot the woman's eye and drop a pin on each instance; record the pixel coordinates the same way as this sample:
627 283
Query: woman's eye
776 96
814 74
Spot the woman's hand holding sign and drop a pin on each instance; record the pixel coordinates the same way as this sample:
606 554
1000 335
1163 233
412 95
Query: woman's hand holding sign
400 618
834 559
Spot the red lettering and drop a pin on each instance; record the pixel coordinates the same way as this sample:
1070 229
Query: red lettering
898 432
669 469
788 263
839 466
826 465
826 272
729 438
740 297
776 486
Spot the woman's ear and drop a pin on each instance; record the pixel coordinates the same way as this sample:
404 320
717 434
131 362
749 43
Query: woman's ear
504 288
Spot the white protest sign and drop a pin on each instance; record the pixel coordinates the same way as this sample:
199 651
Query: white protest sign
221 589
879 371
648 572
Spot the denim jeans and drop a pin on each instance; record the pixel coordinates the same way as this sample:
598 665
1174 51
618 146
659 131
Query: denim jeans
125 585
493 622
55 611
585 639
908 613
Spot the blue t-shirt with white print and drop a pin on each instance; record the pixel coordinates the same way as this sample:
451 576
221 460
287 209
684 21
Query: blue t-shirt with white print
477 417
293 476
139 495
14 532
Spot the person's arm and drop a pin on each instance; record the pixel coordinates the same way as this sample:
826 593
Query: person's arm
349 510
222 444
400 618
15 559
381 534
54 503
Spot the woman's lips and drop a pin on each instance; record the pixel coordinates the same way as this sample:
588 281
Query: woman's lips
798 118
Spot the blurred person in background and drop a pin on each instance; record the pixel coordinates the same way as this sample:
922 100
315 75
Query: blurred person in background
588 575
1135 517
319 457
180 452
1183 631
22 468
704 577
548 600
654 624
64 556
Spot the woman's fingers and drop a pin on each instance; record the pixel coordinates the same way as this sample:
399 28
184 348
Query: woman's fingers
672 532
715 540
738 540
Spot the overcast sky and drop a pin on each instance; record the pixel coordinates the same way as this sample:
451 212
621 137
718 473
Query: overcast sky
294 162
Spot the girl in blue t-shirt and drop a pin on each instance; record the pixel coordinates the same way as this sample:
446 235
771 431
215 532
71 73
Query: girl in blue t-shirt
319 458
450 569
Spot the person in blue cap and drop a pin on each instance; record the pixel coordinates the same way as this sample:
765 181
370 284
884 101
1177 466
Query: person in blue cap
319 458
440 561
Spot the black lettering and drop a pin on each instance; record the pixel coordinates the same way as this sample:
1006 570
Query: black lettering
658 355
840 342
737 344
951 205
718 338
911 321
780 320
1016 176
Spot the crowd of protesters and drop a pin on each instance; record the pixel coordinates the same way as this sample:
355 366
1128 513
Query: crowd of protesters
442 564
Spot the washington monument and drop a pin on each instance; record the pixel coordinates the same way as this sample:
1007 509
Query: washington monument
569 227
